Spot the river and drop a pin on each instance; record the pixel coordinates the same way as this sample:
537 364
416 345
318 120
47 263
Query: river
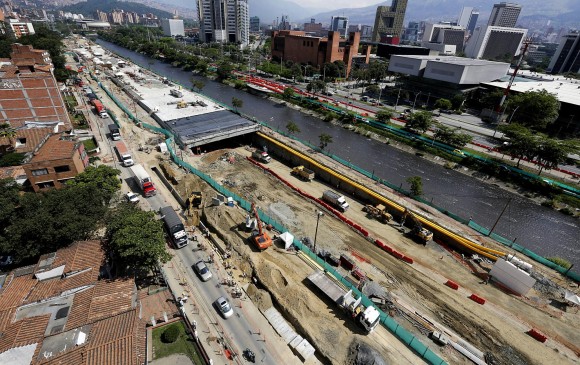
539 229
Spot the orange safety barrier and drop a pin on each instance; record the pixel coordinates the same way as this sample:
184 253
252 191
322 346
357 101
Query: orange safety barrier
476 298
537 335
408 259
452 284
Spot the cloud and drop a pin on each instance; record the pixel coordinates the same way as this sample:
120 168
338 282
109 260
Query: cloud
336 4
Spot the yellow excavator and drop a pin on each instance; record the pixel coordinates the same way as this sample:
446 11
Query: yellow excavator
378 212
423 234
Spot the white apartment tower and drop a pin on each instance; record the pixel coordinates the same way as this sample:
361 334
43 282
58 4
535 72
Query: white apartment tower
226 21
504 15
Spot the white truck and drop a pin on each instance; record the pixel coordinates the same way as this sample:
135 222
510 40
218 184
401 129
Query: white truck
367 317
124 154
144 181
261 156
335 199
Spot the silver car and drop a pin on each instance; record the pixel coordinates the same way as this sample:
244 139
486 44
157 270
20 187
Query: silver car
201 269
224 307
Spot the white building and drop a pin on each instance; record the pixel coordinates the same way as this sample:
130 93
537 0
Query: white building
495 42
226 21
20 28
567 56
468 18
173 27
504 15
454 70
437 36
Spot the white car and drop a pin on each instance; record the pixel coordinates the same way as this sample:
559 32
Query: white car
132 197
224 307
202 270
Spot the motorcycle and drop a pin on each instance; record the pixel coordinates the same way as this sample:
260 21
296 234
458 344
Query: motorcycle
249 355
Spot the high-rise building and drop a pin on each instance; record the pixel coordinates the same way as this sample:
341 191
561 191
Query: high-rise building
504 15
495 43
389 22
254 24
339 24
173 27
567 56
313 28
468 18
225 21
29 92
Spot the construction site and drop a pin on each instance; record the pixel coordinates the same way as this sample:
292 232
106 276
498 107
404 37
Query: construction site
415 295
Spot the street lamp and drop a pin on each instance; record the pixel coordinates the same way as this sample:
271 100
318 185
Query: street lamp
318 215
416 96
511 116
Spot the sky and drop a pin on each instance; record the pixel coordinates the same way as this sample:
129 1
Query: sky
336 4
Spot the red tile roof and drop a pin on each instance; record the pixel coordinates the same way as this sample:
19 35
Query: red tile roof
55 149
33 138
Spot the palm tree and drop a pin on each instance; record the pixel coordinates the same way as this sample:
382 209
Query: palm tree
325 139
292 127
9 132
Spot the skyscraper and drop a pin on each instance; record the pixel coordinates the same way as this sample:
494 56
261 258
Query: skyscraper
224 21
389 21
468 18
339 24
567 56
504 15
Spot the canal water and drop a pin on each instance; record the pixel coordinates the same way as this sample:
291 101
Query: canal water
539 229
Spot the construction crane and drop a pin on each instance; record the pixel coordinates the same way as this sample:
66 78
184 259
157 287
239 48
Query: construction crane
424 234
261 239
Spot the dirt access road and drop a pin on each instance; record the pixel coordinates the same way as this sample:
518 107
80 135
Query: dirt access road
497 328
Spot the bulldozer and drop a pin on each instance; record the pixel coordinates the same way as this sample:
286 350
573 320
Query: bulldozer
423 234
378 212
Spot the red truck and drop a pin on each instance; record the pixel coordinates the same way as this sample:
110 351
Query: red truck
100 108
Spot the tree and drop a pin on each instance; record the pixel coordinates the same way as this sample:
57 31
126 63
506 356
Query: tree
457 102
316 86
103 178
325 139
288 93
12 159
373 89
451 136
237 103
8 132
416 185
224 70
420 121
292 127
444 104
384 115
171 334
198 84
522 142
491 99
552 152
136 238
535 109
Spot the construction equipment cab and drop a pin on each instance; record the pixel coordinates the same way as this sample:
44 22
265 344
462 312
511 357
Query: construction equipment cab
260 239
423 234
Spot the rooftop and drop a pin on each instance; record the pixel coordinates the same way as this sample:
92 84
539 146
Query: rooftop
55 148
566 90
58 311
463 61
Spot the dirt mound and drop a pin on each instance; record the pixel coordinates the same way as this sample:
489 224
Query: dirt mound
259 297
361 353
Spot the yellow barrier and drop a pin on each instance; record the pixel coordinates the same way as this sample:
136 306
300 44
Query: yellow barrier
470 245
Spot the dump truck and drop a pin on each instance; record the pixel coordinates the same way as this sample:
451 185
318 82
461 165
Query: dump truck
114 131
124 154
417 229
143 179
378 212
174 226
100 108
335 199
261 156
303 173
367 317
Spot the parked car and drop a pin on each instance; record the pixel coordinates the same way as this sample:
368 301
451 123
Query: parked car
459 152
202 270
224 307
132 197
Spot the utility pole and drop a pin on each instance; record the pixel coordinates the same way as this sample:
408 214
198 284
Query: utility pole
397 103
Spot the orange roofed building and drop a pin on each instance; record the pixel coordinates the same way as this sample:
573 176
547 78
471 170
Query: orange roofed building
296 46
60 312
58 160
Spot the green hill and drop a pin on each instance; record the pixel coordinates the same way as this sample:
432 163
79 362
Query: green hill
89 8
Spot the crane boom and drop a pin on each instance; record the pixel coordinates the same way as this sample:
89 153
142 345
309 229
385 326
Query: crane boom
261 240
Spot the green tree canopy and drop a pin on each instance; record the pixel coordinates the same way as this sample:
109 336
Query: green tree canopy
416 185
420 121
443 104
384 115
324 139
136 238
534 109
522 142
292 127
451 136
373 89
552 152
237 103
288 93
224 70
104 179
